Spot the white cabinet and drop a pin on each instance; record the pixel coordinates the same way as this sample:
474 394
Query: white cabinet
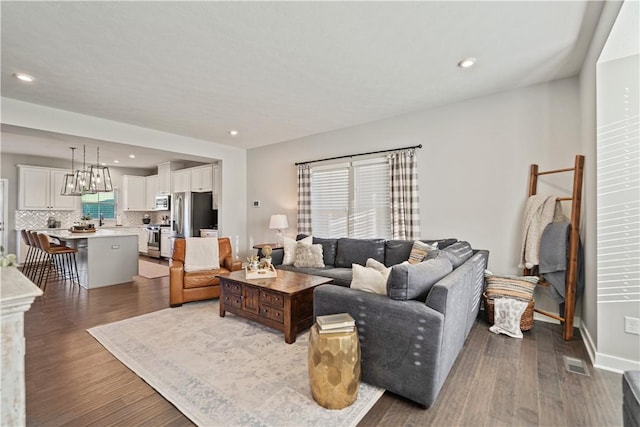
133 193
166 242
202 178
39 189
181 180
151 185
143 238
164 178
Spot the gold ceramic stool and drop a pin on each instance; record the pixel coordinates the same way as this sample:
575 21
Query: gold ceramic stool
334 368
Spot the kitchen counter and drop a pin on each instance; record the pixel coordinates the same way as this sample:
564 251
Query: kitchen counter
105 257
99 233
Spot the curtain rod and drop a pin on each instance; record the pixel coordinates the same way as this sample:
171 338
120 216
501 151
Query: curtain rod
355 155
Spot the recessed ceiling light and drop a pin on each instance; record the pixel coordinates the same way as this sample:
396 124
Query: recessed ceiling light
103 164
233 132
116 161
132 156
24 77
467 62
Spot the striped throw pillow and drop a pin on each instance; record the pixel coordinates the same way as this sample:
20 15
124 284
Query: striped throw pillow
516 287
420 250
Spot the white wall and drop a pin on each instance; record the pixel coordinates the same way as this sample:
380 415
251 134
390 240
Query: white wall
473 167
233 197
592 319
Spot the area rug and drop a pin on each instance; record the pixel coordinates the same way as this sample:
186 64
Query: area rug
225 371
152 270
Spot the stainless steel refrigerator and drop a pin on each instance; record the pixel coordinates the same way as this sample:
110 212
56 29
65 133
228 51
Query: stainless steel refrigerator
193 211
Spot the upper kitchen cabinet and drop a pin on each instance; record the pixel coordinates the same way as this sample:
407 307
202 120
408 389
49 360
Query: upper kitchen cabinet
164 178
151 188
181 180
134 196
202 179
39 189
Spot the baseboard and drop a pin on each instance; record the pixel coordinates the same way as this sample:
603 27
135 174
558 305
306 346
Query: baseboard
605 361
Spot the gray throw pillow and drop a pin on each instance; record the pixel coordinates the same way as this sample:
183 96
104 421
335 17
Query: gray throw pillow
414 281
458 253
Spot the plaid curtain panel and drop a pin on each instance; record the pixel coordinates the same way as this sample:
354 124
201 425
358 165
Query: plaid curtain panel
405 210
304 199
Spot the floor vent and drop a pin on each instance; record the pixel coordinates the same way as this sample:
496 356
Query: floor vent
576 366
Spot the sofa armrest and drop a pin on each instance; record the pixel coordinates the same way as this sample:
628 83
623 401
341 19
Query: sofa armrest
399 340
176 283
232 264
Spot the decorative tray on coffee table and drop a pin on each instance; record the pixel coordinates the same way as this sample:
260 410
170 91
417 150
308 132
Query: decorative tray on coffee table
262 273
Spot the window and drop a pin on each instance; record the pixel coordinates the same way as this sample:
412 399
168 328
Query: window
351 200
100 203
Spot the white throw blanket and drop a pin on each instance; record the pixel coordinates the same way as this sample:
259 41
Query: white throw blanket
201 253
507 313
539 212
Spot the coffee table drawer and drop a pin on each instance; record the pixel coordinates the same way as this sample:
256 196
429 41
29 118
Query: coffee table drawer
233 301
271 313
233 288
272 298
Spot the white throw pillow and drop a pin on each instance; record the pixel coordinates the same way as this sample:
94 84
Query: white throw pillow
380 267
372 278
308 256
290 249
506 316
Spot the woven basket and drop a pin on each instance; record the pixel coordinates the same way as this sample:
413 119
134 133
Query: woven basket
526 321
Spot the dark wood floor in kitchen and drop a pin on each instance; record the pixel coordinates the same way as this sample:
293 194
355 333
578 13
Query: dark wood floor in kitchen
72 380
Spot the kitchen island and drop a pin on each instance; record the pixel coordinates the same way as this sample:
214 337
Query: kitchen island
105 257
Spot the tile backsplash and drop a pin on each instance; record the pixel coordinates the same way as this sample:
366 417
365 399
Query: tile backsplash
33 220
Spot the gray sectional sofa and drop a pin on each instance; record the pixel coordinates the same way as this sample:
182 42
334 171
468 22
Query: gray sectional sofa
411 337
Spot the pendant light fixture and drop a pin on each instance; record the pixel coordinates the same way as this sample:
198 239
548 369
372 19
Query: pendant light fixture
68 181
82 178
100 176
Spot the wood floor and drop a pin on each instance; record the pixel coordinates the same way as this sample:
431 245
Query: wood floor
72 380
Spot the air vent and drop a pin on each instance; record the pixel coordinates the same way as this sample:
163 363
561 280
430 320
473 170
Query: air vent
576 366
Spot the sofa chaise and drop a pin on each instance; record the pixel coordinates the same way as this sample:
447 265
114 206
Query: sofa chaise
411 337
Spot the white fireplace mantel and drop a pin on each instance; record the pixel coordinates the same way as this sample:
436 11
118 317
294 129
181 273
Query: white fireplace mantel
16 296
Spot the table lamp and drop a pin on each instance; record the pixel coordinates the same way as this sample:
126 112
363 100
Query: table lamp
278 222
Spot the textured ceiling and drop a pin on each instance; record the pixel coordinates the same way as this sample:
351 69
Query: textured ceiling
277 71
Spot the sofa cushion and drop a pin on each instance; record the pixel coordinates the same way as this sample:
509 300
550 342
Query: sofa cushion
397 251
458 253
308 256
329 248
290 247
414 281
357 251
198 279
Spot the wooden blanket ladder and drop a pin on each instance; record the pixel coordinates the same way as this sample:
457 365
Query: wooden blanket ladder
574 238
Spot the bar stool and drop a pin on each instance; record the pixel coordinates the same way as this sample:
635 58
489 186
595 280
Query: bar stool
61 258
27 267
37 258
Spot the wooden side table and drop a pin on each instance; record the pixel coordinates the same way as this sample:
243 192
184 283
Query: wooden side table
259 247
334 368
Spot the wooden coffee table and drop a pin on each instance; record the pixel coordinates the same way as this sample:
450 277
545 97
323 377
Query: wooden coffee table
284 303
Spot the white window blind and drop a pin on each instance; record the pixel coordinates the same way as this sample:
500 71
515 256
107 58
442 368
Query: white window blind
351 200
371 207
330 202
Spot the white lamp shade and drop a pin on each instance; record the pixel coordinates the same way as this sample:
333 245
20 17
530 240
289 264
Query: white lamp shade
278 222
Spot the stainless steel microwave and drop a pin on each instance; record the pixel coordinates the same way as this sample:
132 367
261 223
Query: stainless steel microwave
163 202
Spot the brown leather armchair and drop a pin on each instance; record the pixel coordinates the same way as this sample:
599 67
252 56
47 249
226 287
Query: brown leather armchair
198 285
